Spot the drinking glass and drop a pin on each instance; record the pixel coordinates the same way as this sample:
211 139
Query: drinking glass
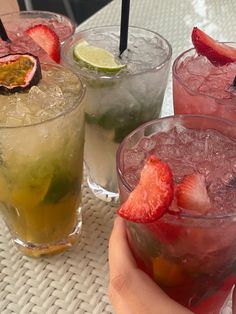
118 102
41 149
192 257
199 87
18 22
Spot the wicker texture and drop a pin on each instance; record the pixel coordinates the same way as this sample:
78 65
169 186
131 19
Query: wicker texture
76 281
73 282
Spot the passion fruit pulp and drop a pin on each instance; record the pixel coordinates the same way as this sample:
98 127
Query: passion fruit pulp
18 72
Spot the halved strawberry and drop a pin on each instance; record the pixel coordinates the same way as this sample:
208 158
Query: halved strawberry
191 193
47 39
153 194
217 53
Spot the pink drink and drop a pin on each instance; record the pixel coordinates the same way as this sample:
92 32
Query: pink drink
199 87
17 23
192 256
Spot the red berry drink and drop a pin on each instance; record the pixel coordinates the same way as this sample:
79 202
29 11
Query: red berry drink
177 183
204 78
37 32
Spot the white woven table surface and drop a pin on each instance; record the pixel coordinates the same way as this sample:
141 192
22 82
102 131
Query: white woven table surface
76 281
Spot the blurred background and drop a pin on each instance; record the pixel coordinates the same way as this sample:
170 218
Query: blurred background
77 10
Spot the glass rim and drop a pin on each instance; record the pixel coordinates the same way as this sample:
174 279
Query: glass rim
76 104
156 121
37 12
176 75
71 41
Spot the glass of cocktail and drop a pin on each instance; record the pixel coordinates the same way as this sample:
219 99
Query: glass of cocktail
41 145
122 94
177 184
204 85
42 24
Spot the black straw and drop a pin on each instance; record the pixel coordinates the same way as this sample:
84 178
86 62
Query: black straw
3 33
124 25
234 81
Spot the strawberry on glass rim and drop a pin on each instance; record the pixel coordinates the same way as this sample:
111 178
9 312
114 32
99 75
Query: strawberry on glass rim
47 39
154 193
217 53
152 196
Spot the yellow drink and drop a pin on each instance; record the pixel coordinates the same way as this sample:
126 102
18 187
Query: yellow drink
41 161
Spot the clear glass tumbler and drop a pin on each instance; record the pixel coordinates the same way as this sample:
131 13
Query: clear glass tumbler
199 87
18 22
191 256
118 102
41 168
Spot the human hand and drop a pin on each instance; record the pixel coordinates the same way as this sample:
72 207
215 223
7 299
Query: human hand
131 291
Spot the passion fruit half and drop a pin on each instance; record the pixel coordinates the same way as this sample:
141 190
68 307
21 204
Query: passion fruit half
18 72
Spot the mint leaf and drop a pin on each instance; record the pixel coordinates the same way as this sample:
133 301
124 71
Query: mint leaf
60 186
123 120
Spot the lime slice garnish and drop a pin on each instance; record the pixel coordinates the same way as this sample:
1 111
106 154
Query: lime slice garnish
96 57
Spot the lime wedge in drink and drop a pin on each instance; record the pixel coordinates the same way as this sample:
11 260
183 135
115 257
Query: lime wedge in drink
96 58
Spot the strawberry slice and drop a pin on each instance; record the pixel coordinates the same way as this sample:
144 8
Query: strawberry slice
191 193
47 39
153 194
217 53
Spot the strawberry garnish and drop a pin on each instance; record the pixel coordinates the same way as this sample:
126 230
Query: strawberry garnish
153 194
217 53
47 39
191 193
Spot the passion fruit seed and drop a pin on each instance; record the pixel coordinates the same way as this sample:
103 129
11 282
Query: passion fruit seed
18 72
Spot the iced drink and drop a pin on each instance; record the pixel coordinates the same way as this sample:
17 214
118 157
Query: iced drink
41 149
118 101
189 250
203 86
17 23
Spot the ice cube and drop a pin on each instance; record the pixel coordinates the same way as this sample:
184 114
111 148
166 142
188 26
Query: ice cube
55 96
184 136
147 143
21 108
37 100
134 158
45 102
200 66
204 167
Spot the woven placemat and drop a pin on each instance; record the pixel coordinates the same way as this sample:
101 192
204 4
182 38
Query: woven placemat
72 282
